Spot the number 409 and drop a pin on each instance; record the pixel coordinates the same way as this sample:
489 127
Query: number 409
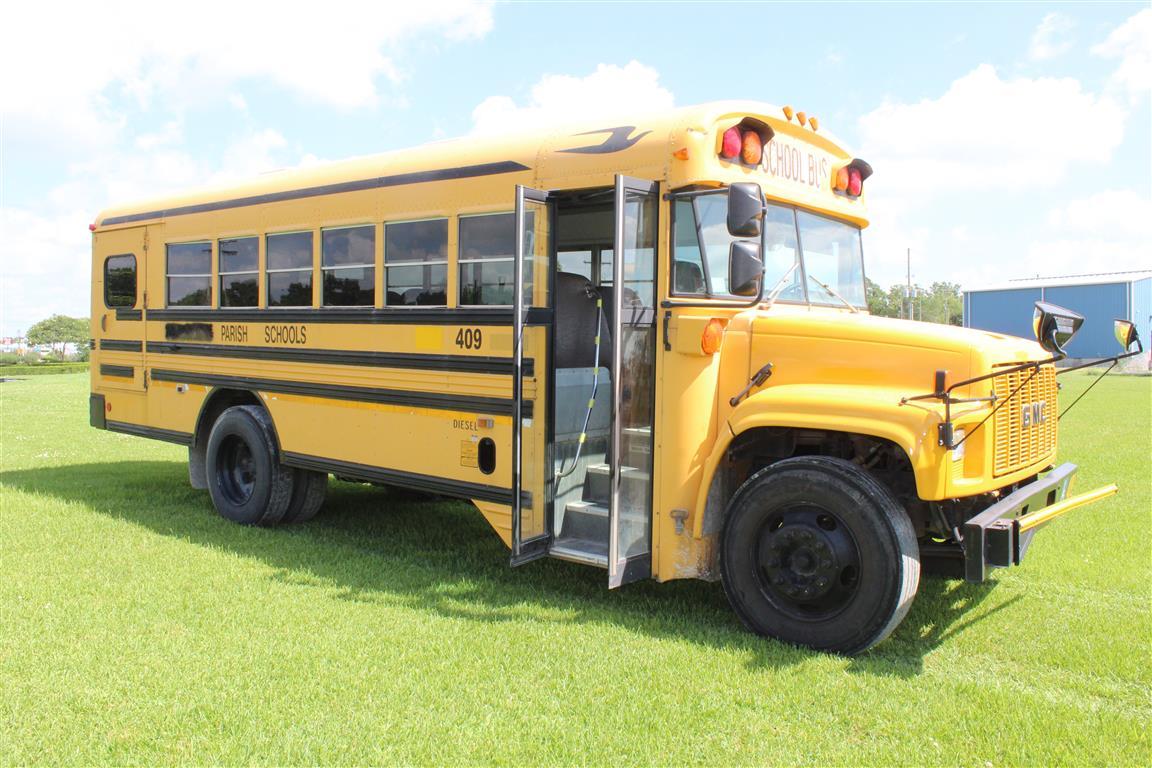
469 338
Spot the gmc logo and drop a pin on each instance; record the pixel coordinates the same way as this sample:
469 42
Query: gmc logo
1032 414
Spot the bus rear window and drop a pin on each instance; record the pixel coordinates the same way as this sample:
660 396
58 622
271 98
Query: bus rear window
120 281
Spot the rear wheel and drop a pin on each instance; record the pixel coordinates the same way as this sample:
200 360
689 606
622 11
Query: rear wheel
816 552
308 496
246 480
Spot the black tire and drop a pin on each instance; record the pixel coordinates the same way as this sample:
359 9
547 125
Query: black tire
246 480
815 552
307 496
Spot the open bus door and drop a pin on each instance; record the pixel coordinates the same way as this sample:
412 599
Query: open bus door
633 381
531 473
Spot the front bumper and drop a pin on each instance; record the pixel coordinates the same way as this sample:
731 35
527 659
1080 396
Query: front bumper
999 536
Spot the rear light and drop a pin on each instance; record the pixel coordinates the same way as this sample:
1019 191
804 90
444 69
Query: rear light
849 180
745 141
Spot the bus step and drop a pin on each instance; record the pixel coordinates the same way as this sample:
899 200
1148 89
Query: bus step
584 520
580 551
634 484
636 441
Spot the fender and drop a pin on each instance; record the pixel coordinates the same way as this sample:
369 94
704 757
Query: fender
872 411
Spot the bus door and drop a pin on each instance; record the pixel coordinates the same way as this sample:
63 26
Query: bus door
633 381
531 331
118 319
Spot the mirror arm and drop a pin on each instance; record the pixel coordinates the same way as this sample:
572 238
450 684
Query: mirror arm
1115 359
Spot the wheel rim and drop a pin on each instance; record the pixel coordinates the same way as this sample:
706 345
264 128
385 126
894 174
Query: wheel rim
807 562
236 469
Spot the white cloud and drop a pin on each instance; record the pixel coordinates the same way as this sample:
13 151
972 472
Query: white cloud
1131 43
985 132
1107 215
46 251
606 93
66 76
1051 38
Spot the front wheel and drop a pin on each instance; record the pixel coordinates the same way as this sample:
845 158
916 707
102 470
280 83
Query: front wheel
816 552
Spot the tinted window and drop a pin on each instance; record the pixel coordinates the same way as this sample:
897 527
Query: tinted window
239 272
289 257
189 274
416 263
348 257
120 281
487 253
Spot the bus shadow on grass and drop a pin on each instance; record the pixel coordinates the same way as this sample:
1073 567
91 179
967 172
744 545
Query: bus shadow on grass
377 545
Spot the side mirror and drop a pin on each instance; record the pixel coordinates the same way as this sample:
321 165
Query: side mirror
1125 333
1055 326
745 209
745 268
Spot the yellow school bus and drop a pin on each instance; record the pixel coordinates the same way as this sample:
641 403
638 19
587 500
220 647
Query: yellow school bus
642 347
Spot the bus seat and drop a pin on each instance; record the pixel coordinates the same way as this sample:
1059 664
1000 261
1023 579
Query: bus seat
576 323
687 277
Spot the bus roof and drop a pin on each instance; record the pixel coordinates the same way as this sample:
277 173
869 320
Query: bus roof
568 156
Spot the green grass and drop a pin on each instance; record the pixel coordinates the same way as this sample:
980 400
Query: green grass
41 369
140 628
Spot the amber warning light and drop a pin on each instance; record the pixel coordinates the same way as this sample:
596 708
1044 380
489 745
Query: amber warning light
849 179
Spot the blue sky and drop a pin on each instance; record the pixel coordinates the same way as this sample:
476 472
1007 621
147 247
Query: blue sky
1009 140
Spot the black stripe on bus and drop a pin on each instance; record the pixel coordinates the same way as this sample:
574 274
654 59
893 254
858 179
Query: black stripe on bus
366 316
429 483
434 400
167 435
129 314
120 371
378 182
454 363
121 345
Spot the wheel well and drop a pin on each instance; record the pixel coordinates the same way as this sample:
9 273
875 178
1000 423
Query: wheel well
760 447
217 402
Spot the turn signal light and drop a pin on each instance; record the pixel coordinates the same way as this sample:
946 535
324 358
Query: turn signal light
712 337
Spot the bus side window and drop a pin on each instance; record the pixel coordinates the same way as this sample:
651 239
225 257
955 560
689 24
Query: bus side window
120 281
416 263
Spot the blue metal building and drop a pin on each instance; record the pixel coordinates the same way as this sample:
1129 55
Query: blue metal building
1007 307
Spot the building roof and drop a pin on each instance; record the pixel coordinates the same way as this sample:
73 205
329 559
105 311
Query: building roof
1058 281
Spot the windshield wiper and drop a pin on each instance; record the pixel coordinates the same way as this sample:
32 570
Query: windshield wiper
833 294
779 287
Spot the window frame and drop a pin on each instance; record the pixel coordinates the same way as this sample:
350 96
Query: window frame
169 275
135 280
446 261
311 269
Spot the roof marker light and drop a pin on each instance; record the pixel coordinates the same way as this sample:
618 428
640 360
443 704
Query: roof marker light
812 121
681 154
801 118
788 113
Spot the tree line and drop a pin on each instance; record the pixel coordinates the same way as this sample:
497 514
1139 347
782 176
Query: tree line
938 303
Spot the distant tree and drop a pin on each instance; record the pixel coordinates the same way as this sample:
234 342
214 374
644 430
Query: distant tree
58 331
940 303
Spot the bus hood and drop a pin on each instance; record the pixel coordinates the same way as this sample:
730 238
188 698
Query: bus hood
835 346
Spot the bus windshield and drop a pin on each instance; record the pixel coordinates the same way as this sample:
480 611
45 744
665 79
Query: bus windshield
808 258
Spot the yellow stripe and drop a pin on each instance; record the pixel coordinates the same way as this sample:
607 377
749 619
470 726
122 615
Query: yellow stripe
1041 516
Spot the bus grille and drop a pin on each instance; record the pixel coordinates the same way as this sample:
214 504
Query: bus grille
1025 427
